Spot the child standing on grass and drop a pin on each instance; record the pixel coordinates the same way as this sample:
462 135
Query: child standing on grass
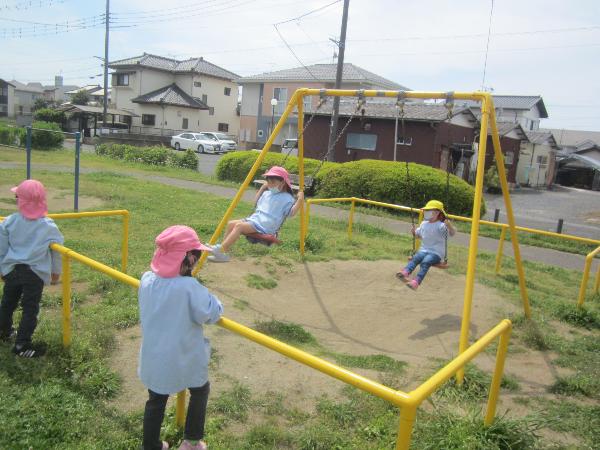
26 265
174 354
433 233
274 203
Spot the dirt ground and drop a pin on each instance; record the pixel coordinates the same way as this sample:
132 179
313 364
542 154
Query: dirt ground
58 200
354 307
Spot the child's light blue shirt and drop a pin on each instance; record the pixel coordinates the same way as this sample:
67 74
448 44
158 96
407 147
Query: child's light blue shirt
433 237
25 241
174 354
271 211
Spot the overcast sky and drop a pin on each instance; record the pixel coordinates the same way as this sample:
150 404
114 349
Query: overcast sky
537 47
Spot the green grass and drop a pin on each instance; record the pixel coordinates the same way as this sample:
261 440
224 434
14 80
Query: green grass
257 281
61 400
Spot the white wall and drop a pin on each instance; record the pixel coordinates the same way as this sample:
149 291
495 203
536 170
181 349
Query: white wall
533 173
224 105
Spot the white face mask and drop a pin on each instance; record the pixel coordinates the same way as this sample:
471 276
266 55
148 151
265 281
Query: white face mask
274 190
427 215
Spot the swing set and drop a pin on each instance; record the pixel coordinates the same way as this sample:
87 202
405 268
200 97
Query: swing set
488 121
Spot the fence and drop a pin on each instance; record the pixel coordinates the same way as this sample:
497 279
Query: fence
407 402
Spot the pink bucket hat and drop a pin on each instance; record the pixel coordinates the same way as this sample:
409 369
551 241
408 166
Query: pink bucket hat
31 199
280 172
171 247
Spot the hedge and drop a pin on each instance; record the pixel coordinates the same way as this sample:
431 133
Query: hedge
11 135
40 139
50 115
154 156
383 181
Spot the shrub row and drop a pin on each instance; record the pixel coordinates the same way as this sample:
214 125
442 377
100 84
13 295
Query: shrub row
40 139
154 156
383 181
50 115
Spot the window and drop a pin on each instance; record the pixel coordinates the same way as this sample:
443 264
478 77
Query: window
20 109
260 133
122 79
197 84
402 140
4 91
184 125
542 160
227 91
508 158
211 111
205 99
224 127
361 141
281 95
148 119
307 102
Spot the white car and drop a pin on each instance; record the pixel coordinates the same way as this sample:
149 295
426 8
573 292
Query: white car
225 141
195 141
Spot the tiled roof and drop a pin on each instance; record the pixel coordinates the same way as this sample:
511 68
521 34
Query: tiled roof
171 95
199 65
377 108
540 137
525 102
574 137
506 127
23 87
325 73
90 89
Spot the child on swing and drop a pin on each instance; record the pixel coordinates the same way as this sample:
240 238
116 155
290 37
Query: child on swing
174 354
274 203
433 233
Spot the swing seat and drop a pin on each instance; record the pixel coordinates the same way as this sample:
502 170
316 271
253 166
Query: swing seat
264 239
440 265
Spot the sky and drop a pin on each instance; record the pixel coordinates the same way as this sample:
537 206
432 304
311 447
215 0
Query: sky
536 47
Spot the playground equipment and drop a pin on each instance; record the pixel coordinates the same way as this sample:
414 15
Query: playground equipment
488 120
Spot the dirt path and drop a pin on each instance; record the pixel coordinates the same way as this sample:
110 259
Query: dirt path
354 307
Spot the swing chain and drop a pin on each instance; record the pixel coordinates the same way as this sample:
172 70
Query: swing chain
359 105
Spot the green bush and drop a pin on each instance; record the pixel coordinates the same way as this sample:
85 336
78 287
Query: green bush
187 160
50 115
491 180
45 140
154 156
383 181
11 135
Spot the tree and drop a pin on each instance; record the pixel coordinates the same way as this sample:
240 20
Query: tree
80 98
39 103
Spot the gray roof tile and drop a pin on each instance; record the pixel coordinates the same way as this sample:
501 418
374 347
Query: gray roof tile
171 95
525 102
325 73
540 137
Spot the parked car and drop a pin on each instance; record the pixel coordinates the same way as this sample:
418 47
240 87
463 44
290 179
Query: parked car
225 140
290 147
195 141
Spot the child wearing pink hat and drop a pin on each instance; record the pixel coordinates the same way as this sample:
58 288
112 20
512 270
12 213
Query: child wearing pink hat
274 203
174 354
27 264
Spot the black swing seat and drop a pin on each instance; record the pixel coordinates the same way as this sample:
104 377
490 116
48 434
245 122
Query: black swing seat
264 239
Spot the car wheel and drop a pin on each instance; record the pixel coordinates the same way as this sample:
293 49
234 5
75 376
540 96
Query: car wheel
177 146
200 149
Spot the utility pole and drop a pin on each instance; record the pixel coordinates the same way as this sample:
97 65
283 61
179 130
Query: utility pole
107 22
338 83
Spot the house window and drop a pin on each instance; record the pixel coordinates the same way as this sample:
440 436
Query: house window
281 95
224 127
361 141
542 160
184 124
205 99
307 102
122 79
211 111
20 109
197 84
508 158
227 91
148 119
404 140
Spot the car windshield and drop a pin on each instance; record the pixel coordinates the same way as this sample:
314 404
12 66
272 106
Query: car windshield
209 136
223 136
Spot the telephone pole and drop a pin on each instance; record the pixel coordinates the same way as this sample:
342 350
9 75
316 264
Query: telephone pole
338 83
107 22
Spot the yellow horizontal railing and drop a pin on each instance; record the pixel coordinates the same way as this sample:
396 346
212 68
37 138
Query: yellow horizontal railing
117 212
407 402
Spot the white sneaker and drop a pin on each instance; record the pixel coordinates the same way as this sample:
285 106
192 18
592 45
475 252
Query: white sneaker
218 256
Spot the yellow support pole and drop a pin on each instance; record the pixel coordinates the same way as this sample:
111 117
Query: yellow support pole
474 239
408 415
497 378
509 211
419 221
125 243
500 249
66 300
180 409
597 283
300 107
586 275
249 177
351 218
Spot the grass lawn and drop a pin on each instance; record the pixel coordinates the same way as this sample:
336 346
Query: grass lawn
61 401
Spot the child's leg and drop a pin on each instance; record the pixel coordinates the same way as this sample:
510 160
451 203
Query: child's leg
10 300
415 261
196 414
428 261
237 230
32 286
230 225
154 414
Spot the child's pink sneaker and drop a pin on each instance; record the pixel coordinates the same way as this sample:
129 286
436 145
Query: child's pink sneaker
403 275
413 284
187 445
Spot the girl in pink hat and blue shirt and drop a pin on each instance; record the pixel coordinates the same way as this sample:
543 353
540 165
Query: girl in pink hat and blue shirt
274 203
174 354
27 264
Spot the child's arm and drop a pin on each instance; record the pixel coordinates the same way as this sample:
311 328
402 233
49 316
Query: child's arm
55 237
416 231
451 229
299 201
205 307
262 189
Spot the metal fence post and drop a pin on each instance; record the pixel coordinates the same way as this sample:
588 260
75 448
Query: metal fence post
559 227
28 150
496 215
66 300
77 150
351 218
497 378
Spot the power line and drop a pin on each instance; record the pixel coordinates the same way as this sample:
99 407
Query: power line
309 13
24 5
293 53
487 46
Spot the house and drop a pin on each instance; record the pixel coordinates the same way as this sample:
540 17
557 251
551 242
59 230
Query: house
25 96
580 167
265 96
56 93
7 99
526 110
168 95
94 91
511 136
537 159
